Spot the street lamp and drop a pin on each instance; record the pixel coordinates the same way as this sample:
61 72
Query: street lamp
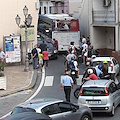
27 22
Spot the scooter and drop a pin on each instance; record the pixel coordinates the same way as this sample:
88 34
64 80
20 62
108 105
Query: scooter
73 75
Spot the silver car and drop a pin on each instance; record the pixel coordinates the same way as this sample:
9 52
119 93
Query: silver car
100 95
55 109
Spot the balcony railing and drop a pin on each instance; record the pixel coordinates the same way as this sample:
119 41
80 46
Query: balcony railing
108 17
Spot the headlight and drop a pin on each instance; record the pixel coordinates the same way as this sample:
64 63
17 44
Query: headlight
55 51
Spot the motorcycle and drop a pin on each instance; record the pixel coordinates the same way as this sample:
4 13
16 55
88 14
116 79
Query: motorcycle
73 74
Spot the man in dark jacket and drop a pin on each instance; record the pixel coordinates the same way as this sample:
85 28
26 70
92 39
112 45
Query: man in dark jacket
34 55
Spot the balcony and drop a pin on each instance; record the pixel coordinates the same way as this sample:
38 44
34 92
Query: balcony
101 17
61 1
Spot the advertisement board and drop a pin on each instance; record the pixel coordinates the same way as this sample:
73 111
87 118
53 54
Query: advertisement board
12 49
30 33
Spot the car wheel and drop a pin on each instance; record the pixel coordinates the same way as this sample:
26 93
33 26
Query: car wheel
85 117
76 93
112 111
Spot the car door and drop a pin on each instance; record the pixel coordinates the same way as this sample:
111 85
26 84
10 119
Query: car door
67 111
116 66
114 93
53 112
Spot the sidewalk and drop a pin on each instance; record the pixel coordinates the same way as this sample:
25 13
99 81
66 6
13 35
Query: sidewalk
16 78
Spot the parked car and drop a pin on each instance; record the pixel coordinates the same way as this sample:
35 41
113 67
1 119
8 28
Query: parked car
55 109
100 95
53 52
113 66
27 116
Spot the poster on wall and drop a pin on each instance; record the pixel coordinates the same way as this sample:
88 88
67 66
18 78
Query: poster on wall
12 49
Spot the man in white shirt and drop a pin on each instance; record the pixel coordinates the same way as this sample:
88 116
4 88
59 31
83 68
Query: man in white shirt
83 39
84 51
2 54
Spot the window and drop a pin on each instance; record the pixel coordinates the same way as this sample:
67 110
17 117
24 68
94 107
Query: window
65 107
45 10
50 9
114 61
93 91
112 88
51 109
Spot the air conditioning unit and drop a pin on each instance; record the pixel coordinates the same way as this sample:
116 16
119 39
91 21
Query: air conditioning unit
106 3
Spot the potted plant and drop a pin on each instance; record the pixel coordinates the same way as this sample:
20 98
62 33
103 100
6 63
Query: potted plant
2 65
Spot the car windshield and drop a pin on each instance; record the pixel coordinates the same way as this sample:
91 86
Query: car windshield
93 91
95 63
22 109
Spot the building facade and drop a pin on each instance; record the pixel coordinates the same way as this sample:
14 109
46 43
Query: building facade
53 6
104 17
8 11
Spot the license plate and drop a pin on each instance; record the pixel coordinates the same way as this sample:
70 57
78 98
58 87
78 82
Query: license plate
93 102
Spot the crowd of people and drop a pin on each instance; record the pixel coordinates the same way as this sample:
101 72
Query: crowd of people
40 53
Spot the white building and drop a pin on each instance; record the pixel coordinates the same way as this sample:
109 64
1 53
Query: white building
104 26
100 19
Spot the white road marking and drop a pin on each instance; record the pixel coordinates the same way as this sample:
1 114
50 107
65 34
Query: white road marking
49 81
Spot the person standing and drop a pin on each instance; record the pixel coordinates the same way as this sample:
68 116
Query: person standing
55 43
83 39
40 56
67 84
43 46
34 55
45 58
2 54
3 58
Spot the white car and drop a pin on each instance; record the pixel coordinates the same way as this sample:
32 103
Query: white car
100 95
113 66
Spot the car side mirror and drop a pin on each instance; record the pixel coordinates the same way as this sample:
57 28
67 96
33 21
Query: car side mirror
74 109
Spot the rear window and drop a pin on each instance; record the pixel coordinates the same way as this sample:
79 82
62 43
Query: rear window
93 91
22 109
95 63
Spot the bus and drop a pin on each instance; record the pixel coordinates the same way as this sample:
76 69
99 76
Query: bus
62 27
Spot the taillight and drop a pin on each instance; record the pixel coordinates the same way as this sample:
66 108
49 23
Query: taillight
111 65
81 90
88 59
106 91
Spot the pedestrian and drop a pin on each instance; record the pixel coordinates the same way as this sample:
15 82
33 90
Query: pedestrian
40 56
84 52
2 54
83 39
45 58
55 43
67 84
43 46
34 55
2 57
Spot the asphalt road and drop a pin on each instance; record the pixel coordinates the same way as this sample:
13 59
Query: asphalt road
54 73
51 89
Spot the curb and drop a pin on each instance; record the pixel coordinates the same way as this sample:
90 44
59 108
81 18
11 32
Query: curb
31 86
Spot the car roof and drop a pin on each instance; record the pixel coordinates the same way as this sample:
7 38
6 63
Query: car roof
37 103
28 116
97 83
102 58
